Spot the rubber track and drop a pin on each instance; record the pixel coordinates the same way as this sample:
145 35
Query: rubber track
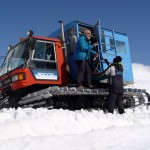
42 98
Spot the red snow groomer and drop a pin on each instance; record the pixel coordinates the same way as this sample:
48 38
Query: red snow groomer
40 71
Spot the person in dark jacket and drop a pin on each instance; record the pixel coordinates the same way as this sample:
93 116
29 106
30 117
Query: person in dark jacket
115 72
82 53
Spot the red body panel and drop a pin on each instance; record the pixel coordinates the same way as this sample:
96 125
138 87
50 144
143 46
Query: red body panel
29 77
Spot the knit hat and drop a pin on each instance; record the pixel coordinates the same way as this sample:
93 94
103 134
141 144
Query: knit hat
117 59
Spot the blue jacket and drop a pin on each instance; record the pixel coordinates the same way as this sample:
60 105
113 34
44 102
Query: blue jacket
83 49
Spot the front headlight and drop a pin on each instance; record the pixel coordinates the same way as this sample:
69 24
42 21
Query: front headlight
18 77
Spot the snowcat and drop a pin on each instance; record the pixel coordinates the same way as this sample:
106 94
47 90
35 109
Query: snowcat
41 72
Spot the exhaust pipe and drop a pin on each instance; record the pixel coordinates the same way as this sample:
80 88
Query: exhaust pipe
65 49
63 39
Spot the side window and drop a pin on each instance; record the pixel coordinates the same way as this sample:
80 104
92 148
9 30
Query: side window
44 55
50 54
121 46
44 51
72 39
112 44
39 50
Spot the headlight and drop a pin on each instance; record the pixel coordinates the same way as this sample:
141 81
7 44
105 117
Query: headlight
18 77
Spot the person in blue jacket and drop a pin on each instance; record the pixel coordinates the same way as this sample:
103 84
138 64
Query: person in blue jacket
82 53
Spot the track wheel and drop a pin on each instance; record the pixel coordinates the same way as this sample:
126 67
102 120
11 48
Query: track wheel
99 102
82 103
128 102
13 101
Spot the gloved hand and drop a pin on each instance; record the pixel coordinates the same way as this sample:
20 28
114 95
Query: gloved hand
95 44
95 56
106 61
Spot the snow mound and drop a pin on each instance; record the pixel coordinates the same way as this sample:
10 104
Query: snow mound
40 122
44 129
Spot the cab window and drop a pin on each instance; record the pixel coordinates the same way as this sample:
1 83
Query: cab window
44 55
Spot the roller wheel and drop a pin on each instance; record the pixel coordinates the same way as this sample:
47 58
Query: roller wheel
13 101
82 103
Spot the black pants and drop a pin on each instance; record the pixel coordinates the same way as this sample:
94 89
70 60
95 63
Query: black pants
84 71
115 99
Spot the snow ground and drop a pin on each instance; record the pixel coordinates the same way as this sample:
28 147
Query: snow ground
42 129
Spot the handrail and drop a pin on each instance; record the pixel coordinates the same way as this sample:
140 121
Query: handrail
108 44
114 31
107 35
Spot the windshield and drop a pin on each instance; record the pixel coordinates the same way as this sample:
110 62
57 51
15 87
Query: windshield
16 57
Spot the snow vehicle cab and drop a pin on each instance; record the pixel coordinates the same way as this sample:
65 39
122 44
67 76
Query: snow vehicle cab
111 44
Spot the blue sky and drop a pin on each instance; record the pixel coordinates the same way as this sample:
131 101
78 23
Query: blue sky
127 16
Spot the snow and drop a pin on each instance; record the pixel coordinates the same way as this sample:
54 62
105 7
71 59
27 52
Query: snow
42 129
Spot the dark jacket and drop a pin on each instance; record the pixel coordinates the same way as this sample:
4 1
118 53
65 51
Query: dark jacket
115 73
